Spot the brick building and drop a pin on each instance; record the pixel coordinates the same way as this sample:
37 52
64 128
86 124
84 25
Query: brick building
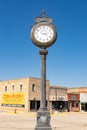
23 94
74 102
77 99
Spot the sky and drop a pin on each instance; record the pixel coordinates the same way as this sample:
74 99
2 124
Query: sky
66 63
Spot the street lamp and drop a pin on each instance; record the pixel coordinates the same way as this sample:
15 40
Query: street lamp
43 35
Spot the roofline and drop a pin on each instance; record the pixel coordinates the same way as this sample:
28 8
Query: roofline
56 87
21 78
38 78
77 87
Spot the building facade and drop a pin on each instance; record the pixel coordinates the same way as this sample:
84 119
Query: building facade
74 102
23 94
58 98
83 101
77 99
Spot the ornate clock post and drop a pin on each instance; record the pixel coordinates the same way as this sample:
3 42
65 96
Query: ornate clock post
43 35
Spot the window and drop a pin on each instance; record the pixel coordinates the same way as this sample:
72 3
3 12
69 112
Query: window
73 97
12 87
82 106
20 89
5 88
77 104
33 87
72 104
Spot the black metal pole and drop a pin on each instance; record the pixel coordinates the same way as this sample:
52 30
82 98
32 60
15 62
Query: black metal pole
43 53
43 115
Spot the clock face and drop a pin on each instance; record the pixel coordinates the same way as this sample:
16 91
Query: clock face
43 33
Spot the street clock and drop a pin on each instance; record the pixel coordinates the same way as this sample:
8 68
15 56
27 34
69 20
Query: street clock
43 33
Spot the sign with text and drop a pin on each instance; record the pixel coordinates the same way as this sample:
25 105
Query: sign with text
83 97
13 98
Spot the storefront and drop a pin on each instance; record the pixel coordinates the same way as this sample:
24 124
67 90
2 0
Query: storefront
83 100
58 98
73 102
59 105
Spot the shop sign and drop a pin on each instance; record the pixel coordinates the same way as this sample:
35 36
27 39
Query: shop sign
13 98
83 97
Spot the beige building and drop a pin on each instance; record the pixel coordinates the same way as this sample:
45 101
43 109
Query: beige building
77 90
23 94
58 98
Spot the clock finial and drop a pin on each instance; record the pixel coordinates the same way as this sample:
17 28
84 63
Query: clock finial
43 13
43 18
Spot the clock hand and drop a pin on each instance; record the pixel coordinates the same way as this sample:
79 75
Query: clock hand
43 33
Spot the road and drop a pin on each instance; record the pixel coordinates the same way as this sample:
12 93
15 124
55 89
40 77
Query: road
27 121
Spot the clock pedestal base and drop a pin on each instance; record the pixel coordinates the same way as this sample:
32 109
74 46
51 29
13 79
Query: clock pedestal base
43 120
43 128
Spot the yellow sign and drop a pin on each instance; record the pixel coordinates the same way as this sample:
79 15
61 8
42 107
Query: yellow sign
13 98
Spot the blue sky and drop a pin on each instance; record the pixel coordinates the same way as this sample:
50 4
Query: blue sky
66 59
